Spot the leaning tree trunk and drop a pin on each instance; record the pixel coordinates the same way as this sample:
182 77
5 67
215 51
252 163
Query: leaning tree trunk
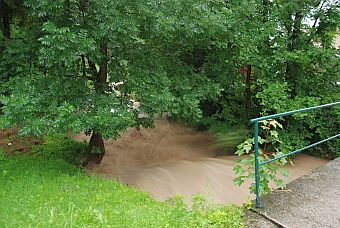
96 149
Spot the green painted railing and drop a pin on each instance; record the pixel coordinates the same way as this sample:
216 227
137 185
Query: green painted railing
256 141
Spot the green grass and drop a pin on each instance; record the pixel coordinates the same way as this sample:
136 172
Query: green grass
42 191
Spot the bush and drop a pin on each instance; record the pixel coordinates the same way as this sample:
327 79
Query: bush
205 214
59 146
228 216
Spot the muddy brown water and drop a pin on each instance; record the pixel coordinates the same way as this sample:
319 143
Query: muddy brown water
172 159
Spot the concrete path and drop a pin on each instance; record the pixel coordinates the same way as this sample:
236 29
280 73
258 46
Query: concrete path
312 200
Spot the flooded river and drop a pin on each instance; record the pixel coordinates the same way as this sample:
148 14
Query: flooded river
172 159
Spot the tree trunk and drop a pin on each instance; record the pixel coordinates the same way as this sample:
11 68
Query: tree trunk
5 12
97 143
292 69
96 148
102 74
248 91
265 10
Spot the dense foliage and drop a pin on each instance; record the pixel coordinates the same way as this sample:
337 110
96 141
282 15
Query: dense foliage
75 65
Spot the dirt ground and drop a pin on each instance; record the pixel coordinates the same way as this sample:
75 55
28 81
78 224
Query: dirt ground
11 142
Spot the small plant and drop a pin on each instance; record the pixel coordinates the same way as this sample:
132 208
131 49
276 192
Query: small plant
268 143
247 205
207 214
200 203
177 201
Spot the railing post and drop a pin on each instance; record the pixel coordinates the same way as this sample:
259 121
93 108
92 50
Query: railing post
257 166
256 143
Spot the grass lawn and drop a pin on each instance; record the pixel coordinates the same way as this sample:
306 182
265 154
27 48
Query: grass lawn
43 191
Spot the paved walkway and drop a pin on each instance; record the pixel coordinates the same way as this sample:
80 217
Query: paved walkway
312 200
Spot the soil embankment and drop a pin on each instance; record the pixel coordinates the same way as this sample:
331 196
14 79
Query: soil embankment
172 159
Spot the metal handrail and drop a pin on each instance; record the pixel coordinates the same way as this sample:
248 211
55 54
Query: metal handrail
256 142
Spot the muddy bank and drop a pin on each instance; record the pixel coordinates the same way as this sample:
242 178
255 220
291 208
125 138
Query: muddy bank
171 159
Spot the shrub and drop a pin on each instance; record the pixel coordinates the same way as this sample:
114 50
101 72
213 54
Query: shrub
268 144
59 146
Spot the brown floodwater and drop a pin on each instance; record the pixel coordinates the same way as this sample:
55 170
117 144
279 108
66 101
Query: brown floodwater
172 159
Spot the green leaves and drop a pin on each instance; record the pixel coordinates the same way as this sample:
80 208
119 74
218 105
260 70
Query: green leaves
245 167
245 147
284 172
147 51
172 56
238 181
